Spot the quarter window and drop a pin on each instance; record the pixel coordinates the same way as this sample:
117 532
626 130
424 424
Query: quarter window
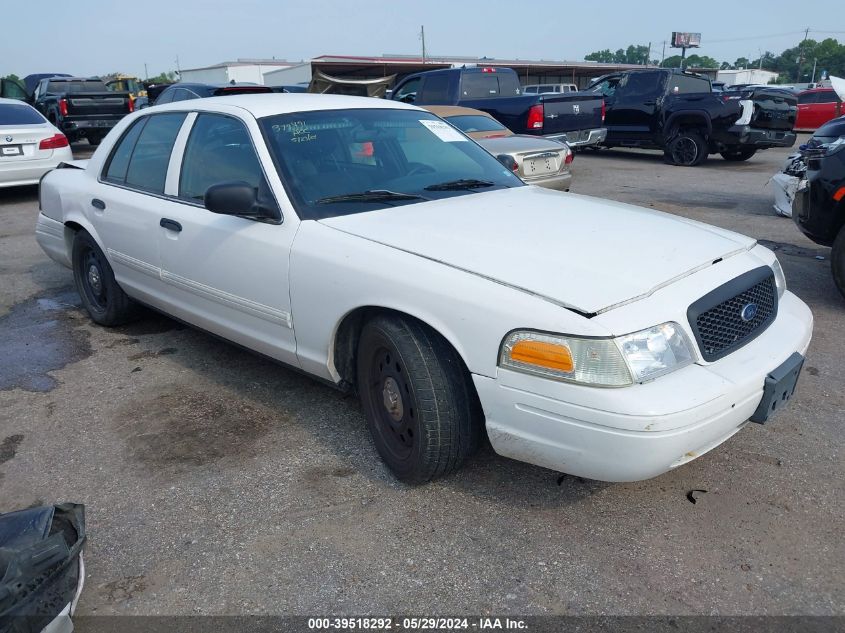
219 149
685 84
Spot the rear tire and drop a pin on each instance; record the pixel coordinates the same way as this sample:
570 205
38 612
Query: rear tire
738 155
686 148
837 261
101 295
94 138
421 410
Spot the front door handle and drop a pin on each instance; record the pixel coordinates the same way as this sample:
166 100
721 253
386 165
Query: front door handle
170 225
98 204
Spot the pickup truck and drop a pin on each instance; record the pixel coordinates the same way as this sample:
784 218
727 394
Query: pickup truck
677 112
81 107
574 117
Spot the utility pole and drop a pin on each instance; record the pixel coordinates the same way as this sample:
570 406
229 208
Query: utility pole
146 72
801 55
422 37
648 57
663 55
178 70
813 78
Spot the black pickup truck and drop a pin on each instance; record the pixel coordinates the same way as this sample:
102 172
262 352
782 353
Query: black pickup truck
574 117
677 112
81 107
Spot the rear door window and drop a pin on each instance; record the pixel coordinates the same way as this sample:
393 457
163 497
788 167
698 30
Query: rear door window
479 85
684 84
142 156
808 97
219 149
827 96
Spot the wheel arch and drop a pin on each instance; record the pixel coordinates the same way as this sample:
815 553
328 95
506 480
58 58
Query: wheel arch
698 119
344 342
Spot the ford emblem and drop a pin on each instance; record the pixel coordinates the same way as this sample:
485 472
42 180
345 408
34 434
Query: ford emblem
748 312
9 139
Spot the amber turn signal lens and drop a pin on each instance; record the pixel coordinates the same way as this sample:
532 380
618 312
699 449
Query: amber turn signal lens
542 354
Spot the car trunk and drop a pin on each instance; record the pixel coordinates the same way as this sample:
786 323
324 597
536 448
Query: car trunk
24 142
571 111
96 104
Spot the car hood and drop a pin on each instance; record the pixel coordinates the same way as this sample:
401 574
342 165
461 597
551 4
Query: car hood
580 252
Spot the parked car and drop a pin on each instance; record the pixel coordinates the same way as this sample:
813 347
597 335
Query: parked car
534 89
816 107
819 205
577 119
536 160
30 146
591 337
187 91
677 112
81 107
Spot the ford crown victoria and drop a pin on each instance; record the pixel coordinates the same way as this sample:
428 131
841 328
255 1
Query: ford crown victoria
374 246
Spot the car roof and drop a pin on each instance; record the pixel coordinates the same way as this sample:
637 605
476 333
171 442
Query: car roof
270 103
820 89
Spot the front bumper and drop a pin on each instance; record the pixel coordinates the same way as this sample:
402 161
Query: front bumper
641 431
581 138
815 210
760 138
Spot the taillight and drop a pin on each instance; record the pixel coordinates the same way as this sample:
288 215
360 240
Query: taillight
54 142
535 117
63 107
603 110
488 70
569 158
131 103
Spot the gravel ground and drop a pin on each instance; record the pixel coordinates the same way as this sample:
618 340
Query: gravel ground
219 483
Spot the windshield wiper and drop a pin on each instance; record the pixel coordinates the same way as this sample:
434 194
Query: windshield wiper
372 195
462 183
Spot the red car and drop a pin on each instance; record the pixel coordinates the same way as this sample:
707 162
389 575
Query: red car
816 107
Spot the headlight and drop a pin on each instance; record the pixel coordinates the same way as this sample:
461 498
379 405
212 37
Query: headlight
780 279
604 362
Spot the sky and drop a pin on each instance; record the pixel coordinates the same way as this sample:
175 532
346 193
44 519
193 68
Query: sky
92 37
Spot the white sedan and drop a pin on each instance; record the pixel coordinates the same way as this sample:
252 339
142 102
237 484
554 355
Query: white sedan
30 145
374 246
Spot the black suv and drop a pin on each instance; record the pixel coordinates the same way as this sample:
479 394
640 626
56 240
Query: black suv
819 205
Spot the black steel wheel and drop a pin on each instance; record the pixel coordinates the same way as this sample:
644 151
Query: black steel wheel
101 295
421 410
686 148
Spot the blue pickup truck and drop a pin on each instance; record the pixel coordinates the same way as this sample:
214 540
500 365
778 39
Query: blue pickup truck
574 117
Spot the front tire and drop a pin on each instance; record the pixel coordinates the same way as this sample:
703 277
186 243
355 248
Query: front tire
687 148
421 410
837 261
101 295
738 155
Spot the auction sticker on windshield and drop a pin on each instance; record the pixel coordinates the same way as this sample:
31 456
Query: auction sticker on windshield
443 131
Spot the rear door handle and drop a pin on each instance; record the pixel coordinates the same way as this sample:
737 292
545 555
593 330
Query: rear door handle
98 204
170 225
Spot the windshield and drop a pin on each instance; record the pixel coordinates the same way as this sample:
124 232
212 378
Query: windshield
476 123
339 162
14 114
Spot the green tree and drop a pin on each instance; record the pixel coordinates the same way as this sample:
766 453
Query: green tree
163 77
604 56
634 54
13 77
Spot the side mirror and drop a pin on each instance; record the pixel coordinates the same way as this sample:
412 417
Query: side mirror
508 161
237 198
